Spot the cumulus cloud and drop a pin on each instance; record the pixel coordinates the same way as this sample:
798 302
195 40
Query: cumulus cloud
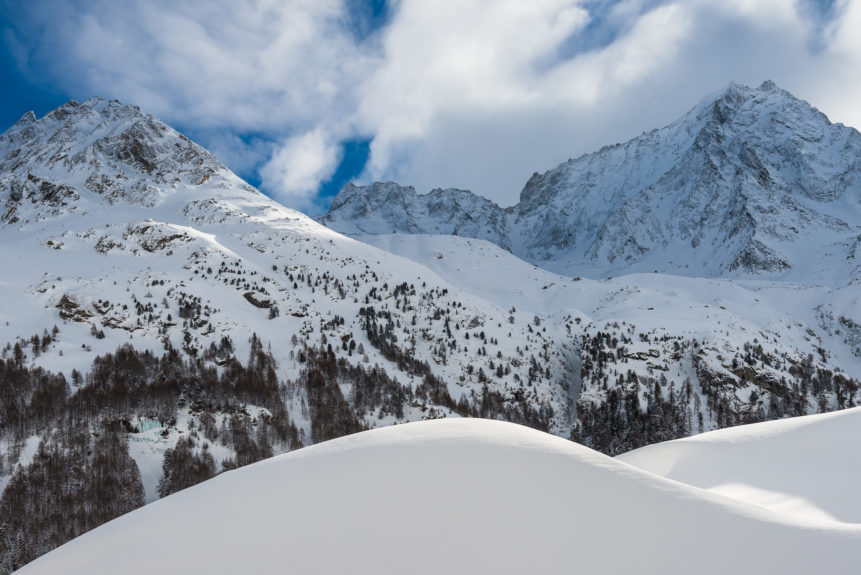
299 165
482 106
216 62
474 93
841 61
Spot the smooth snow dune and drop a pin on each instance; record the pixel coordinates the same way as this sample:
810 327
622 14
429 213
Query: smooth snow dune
808 466
453 496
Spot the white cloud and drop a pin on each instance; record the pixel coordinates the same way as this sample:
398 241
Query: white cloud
473 93
479 97
488 119
248 64
466 57
294 172
842 93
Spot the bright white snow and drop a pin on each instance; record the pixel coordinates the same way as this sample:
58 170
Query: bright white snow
807 466
453 496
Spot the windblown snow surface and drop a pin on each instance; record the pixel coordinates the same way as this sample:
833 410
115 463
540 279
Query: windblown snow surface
467 496
808 466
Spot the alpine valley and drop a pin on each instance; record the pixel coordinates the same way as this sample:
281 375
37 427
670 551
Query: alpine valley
163 321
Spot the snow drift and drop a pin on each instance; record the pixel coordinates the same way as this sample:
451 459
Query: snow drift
460 496
807 466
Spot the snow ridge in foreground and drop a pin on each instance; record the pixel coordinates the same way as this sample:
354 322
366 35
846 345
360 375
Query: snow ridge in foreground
459 496
806 466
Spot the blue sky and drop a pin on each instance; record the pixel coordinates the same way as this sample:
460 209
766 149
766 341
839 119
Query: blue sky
21 93
301 96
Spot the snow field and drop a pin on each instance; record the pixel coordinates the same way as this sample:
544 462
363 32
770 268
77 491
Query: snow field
459 496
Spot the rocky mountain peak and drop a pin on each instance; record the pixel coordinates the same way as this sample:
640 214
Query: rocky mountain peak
113 150
735 186
386 207
379 191
27 118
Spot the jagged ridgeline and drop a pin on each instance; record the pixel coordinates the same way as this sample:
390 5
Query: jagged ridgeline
201 326
751 181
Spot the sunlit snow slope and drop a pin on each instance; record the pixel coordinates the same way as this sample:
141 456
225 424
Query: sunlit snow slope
453 496
118 229
807 466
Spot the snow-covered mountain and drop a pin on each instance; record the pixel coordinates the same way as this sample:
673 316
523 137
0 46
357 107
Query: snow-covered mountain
116 222
498 498
246 328
388 208
748 209
751 181
164 321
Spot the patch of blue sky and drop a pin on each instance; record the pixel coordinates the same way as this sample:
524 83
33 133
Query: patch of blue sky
821 13
367 17
21 90
607 21
353 159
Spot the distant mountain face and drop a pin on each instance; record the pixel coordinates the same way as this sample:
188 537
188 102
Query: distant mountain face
750 181
386 208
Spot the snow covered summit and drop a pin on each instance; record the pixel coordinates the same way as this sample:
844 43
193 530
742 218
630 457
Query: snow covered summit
750 181
117 151
387 207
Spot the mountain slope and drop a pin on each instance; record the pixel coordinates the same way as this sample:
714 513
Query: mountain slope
198 318
750 181
652 345
497 497
170 248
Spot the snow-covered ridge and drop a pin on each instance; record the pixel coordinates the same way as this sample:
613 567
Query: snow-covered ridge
386 207
498 498
111 153
750 181
805 466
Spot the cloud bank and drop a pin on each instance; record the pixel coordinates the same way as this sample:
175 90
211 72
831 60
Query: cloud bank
474 94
